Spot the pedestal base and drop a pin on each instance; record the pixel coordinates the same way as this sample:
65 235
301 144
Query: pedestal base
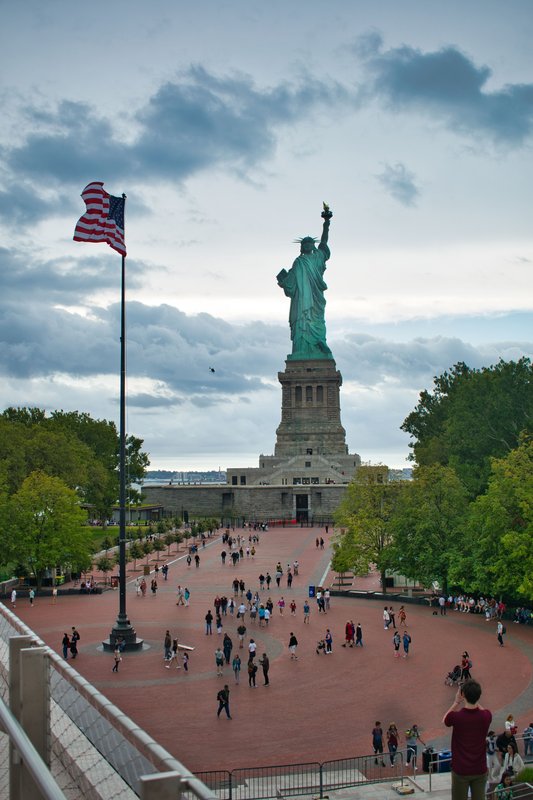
125 633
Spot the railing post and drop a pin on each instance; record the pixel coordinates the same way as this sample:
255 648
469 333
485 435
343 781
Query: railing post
35 711
230 786
163 786
16 644
321 779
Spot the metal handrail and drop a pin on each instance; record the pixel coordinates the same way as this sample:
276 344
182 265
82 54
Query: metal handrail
31 758
162 760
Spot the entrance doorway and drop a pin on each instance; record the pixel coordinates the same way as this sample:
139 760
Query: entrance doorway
302 507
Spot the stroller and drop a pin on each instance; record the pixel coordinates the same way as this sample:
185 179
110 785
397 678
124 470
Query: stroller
320 647
453 678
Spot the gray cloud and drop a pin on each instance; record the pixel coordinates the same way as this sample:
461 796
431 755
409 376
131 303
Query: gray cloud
61 280
399 182
195 122
446 84
164 345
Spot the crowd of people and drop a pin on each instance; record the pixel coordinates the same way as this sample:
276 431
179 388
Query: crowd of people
235 614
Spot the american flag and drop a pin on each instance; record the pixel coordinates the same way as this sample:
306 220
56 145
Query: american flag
103 220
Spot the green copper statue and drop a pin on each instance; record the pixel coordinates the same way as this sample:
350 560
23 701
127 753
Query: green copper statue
304 284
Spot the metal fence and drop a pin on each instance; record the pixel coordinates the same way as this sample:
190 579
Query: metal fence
312 778
94 746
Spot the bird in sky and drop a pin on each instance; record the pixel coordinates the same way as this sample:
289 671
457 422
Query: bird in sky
211 369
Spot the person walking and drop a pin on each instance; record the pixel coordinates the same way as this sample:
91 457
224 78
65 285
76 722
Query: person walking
174 654
377 742
349 634
66 645
208 623
386 618
185 661
493 762
223 701
227 646
167 647
265 664
392 617
118 658
402 617
466 666
412 737
470 723
32 596
292 606
281 605
14 598
54 595
396 641
307 612
293 644
197 560
392 742
406 640
219 661
236 667
252 647
328 639
358 635
186 596
241 633
500 631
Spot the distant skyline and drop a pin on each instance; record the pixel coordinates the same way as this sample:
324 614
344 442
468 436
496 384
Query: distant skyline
227 125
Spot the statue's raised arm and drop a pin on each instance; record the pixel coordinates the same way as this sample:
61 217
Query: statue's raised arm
304 284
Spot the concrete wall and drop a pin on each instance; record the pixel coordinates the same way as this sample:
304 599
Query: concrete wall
251 502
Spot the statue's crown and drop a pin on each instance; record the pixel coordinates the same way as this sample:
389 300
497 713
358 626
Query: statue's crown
306 239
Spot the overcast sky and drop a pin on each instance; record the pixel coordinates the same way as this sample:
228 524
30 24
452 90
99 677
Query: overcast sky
227 123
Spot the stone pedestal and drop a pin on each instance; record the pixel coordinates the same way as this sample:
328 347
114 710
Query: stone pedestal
310 410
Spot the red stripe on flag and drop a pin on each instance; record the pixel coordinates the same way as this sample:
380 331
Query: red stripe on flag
95 225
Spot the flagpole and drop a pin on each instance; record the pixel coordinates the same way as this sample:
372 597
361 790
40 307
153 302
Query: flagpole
123 629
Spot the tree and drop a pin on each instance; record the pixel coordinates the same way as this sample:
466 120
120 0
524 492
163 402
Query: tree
158 545
500 527
73 446
471 416
365 513
428 525
105 565
136 551
43 527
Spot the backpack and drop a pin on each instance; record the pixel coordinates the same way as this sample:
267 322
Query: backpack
221 696
504 629
469 664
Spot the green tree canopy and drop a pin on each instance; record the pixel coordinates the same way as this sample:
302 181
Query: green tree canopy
428 525
470 416
73 446
365 514
499 558
43 527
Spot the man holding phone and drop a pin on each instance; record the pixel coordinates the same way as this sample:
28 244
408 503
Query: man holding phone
470 723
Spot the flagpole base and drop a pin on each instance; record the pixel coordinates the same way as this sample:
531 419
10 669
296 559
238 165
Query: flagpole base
123 633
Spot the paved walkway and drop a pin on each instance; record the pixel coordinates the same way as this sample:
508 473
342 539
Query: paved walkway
317 708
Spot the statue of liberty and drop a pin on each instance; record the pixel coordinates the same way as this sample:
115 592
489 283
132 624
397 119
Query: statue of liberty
304 284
